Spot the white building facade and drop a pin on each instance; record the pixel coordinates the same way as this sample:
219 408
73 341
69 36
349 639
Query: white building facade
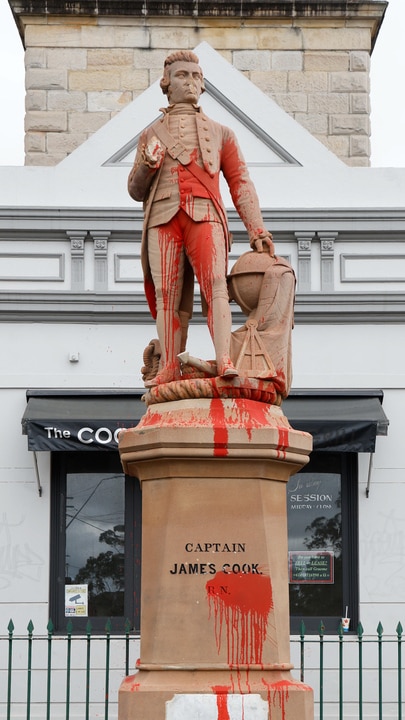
74 326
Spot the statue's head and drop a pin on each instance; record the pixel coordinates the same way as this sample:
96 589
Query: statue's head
181 71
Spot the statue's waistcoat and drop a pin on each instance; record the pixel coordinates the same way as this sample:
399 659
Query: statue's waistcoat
176 186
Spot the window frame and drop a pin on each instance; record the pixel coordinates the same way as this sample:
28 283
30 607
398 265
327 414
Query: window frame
348 462
95 461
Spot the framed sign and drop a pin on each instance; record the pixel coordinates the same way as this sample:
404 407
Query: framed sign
308 567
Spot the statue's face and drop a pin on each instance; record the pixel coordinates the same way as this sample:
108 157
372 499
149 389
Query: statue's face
185 83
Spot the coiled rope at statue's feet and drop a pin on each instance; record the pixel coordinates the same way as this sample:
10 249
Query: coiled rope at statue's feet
265 391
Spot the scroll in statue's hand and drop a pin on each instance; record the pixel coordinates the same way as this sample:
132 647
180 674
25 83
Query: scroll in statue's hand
153 153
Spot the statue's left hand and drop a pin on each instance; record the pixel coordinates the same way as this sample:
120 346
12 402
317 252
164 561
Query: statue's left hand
264 239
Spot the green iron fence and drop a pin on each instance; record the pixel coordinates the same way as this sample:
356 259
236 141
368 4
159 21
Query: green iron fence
66 676
353 675
50 676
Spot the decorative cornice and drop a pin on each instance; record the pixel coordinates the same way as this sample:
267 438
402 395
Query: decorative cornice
37 219
130 308
298 227
371 11
269 8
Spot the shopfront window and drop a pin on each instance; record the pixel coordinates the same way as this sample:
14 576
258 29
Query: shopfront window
322 542
95 541
96 529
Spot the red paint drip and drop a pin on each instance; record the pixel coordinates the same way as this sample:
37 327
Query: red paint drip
278 692
247 687
217 415
283 439
221 691
171 271
282 442
277 695
242 602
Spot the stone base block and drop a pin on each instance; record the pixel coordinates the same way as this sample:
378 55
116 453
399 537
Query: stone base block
214 695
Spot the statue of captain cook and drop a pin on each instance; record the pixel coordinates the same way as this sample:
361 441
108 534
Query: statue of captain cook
176 175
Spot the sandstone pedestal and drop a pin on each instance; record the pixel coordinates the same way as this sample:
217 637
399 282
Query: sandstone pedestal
214 602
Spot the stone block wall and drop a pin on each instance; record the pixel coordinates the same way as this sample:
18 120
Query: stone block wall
81 70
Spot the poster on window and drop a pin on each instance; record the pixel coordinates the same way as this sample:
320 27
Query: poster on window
76 600
311 567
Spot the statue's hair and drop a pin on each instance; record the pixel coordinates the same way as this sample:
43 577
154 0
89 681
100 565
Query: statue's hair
178 56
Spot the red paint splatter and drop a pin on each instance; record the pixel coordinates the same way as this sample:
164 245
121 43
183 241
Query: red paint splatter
151 420
241 601
132 685
243 413
221 691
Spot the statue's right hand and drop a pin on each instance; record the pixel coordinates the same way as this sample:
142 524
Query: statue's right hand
264 243
153 153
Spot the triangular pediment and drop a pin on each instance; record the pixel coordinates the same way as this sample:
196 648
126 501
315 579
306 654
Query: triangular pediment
259 148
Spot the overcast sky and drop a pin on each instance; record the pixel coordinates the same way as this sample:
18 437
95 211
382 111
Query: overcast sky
387 90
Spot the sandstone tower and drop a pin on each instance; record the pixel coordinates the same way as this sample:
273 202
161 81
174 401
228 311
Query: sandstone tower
86 60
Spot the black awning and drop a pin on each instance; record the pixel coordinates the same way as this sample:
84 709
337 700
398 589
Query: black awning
79 420
345 421
340 421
